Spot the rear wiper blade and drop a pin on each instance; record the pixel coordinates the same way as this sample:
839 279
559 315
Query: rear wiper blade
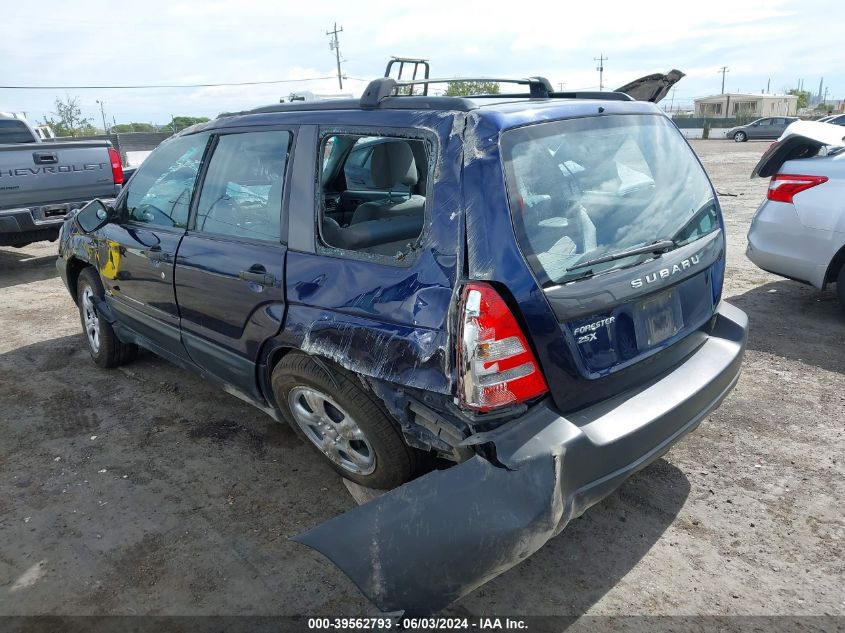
660 246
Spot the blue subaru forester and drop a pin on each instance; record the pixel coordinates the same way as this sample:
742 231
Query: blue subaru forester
525 285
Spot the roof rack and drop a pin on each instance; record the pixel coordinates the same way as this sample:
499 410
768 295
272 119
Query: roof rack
412 62
538 88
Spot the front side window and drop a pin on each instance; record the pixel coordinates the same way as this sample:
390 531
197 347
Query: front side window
242 191
585 188
160 192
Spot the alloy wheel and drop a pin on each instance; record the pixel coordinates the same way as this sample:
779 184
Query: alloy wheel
91 319
332 430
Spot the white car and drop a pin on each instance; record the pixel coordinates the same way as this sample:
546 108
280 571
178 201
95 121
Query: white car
799 230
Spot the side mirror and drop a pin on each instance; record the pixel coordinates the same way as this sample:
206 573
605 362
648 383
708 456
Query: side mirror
94 215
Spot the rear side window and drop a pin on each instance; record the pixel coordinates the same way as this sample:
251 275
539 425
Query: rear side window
12 131
584 188
373 194
242 191
160 191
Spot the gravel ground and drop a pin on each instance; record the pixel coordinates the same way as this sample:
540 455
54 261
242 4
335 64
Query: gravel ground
145 490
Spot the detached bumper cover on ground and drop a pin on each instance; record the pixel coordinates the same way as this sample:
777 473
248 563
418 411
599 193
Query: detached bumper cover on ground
426 544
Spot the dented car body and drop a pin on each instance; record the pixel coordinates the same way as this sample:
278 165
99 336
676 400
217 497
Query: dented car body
532 290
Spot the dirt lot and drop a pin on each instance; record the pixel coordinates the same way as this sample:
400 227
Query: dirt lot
145 490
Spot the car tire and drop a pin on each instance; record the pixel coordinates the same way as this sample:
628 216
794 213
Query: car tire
106 350
343 422
840 287
740 137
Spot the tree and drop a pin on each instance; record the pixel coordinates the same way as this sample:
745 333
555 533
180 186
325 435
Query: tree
128 128
803 97
468 88
69 121
181 122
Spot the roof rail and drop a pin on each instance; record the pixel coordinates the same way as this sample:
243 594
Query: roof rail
378 89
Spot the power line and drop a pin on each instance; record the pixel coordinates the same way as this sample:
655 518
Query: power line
146 86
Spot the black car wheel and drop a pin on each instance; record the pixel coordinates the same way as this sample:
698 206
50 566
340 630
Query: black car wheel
105 348
740 137
343 422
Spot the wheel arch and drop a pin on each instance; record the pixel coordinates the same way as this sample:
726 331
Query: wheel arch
272 358
834 267
75 266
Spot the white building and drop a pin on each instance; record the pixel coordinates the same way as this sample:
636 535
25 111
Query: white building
747 105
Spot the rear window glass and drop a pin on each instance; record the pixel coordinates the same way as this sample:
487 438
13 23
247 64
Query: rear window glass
15 132
585 188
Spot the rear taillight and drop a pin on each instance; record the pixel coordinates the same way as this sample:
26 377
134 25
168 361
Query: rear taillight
116 166
783 187
497 367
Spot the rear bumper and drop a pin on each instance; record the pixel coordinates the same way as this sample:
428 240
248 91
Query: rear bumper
30 224
425 544
779 243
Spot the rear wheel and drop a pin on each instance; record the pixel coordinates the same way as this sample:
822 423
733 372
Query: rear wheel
740 137
840 286
343 422
105 348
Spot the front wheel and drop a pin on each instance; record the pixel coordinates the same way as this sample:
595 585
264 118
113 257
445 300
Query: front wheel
105 348
343 422
740 137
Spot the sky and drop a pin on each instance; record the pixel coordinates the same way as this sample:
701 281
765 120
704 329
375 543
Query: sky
89 42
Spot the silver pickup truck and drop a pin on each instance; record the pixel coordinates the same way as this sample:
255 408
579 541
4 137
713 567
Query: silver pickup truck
41 182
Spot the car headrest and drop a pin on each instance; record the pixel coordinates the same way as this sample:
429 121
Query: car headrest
393 164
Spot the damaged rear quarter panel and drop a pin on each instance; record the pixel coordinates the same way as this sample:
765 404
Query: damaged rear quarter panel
388 321
492 249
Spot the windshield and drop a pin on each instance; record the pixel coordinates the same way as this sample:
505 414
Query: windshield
585 188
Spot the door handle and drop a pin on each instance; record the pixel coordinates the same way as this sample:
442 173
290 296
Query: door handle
258 274
45 158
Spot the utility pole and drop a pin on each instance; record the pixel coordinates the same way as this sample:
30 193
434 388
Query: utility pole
561 85
601 59
103 113
334 45
723 70
824 98
768 85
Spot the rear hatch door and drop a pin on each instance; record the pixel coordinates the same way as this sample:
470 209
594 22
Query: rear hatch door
623 231
652 87
44 173
802 139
